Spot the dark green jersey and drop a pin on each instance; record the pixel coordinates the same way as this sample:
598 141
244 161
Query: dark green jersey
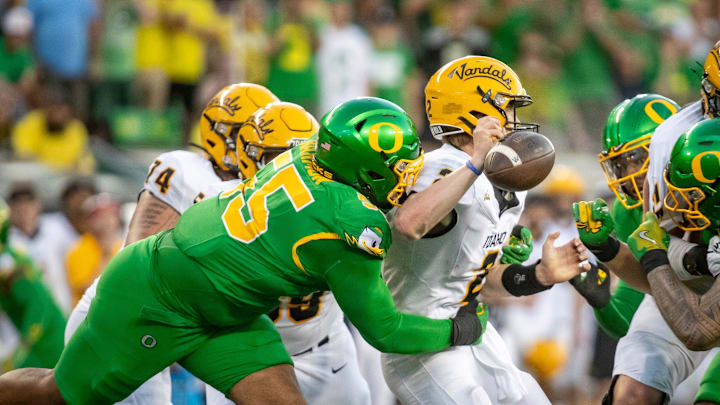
250 236
290 231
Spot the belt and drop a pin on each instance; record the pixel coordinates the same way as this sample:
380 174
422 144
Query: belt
322 341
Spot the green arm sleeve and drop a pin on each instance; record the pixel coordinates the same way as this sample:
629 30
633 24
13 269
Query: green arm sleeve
615 317
626 221
354 278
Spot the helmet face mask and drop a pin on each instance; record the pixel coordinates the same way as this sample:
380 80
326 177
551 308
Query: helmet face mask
693 178
624 157
617 164
271 131
223 117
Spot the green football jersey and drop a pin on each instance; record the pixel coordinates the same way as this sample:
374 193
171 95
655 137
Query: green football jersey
250 240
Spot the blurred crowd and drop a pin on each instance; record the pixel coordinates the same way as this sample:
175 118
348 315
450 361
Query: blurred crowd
132 74
136 73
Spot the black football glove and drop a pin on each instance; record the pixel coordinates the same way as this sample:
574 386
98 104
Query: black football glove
466 326
594 285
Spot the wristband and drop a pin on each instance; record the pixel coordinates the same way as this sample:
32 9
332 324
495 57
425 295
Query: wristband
654 259
466 327
607 251
521 280
473 168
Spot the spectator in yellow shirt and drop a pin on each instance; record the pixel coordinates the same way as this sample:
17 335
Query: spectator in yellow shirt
89 256
52 135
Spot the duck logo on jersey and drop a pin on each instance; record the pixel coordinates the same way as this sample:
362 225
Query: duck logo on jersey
368 241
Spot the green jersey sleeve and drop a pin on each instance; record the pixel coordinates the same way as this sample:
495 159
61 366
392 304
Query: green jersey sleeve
362 225
616 316
626 221
354 278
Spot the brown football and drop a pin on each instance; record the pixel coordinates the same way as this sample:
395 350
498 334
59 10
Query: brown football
520 161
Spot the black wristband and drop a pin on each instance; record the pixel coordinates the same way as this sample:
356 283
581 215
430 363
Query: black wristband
521 280
607 251
654 259
466 326
695 261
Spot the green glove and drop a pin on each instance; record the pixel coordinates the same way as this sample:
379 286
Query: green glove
593 221
647 237
519 246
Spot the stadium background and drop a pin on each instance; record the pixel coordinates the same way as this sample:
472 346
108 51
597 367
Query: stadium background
95 89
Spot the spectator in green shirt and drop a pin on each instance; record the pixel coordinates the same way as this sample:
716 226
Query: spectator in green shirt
16 63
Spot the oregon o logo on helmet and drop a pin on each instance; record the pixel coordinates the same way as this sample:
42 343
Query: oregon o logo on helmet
148 341
374 135
653 115
697 168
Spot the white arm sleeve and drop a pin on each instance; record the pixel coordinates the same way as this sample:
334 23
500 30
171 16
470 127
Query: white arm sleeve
676 252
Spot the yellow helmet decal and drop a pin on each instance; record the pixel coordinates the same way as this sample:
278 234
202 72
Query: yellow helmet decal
374 135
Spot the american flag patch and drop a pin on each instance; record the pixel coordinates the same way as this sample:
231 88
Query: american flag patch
325 145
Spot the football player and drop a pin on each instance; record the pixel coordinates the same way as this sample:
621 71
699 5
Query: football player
311 327
449 235
650 340
692 179
175 181
29 305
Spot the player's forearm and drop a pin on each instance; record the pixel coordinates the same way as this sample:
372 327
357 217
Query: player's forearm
694 318
615 317
412 334
150 217
628 269
493 287
422 211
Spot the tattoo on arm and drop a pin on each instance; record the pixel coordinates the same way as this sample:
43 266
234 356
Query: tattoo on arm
693 317
150 217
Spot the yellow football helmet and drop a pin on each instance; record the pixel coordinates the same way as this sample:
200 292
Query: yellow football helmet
270 131
464 90
711 83
224 115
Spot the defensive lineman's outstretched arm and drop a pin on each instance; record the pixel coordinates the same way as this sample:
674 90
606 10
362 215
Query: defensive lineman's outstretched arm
422 211
151 216
363 296
693 317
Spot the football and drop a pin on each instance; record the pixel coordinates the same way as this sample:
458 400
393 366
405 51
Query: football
520 161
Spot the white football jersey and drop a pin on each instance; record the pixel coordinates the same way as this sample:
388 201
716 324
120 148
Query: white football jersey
433 276
661 145
177 178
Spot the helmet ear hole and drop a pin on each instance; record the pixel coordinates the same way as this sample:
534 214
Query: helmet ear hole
375 175
359 125
211 143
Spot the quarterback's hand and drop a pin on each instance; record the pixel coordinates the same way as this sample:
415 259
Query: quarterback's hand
593 285
561 263
647 237
519 246
486 134
593 221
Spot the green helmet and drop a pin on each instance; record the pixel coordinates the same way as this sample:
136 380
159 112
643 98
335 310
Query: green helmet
693 177
624 157
4 224
372 145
